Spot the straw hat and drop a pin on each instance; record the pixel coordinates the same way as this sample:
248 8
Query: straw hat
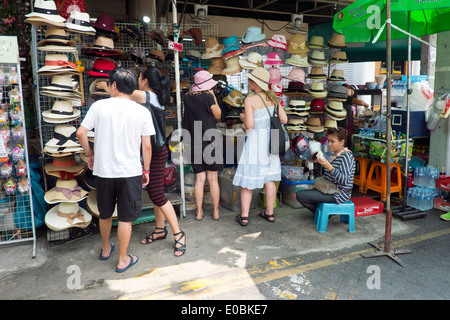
217 65
335 110
103 46
56 40
212 48
233 66
338 57
91 204
278 41
330 123
203 81
317 58
316 42
64 167
65 191
253 60
252 35
67 215
79 22
64 136
45 13
337 75
314 125
97 92
60 82
296 74
297 44
234 98
317 90
299 60
337 41
62 111
338 93
261 77
317 74
57 64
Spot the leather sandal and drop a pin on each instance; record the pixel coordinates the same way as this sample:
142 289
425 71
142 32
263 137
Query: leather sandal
151 238
182 247
240 219
266 216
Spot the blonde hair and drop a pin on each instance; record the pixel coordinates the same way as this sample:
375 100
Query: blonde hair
270 95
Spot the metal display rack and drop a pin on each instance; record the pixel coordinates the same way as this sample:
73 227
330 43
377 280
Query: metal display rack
16 209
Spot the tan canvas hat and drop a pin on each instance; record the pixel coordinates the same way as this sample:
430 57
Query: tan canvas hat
218 64
261 77
212 48
65 191
67 215
337 41
233 66
297 44
62 111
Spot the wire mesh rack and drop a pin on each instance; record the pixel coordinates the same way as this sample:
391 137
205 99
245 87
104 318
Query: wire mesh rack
16 208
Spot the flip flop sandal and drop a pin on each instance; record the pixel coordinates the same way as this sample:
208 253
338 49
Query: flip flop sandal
151 238
240 219
132 263
101 257
267 216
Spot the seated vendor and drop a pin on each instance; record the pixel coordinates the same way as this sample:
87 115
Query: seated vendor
339 170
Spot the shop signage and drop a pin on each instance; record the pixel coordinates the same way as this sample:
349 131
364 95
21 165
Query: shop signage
9 50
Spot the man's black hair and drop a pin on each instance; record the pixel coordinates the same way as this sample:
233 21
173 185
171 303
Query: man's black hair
125 80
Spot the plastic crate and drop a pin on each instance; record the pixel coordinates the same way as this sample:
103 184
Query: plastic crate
441 204
289 189
365 206
443 183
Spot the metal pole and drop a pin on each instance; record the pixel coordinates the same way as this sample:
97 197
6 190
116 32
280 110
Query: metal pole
408 113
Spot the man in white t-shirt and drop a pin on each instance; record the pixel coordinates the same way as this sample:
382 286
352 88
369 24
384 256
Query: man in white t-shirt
121 126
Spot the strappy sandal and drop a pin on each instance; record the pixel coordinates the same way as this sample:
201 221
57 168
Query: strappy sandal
240 219
151 238
182 247
266 216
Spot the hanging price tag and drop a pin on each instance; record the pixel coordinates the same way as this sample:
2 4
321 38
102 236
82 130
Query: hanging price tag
175 46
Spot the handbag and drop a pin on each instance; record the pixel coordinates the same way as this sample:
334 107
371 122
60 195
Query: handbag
158 116
279 139
325 186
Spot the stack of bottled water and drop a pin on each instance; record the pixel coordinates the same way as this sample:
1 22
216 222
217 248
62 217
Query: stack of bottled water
422 196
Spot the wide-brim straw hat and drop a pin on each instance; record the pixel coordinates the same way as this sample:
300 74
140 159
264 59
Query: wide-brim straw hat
67 215
96 92
235 99
217 65
338 57
317 90
316 42
57 63
314 125
91 204
335 110
260 76
45 13
63 165
56 40
317 58
297 44
337 75
213 48
253 60
60 82
233 66
65 191
64 136
79 22
317 74
61 110
203 81
337 41
299 60
66 95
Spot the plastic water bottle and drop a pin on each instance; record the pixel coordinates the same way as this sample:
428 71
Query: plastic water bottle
408 197
414 197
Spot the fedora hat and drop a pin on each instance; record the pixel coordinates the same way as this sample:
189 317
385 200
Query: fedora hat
316 42
65 191
338 57
101 68
314 125
91 205
295 88
253 35
231 43
337 41
330 123
62 111
275 75
337 75
278 41
338 93
296 121
64 136
316 106
274 58
217 65
79 22
45 13
261 77
233 66
317 90
317 74
66 164
97 92
212 48
132 31
67 215
295 127
105 25
297 44
317 58
299 60
335 110
196 34
296 74
157 55
104 46
67 95
253 60
298 105
56 40
158 36
234 99
203 81
60 82
57 63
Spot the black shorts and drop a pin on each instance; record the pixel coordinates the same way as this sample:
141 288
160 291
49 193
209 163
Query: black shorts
208 162
126 192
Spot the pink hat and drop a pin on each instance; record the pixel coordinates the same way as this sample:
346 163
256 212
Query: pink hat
278 41
297 74
203 81
274 58
275 75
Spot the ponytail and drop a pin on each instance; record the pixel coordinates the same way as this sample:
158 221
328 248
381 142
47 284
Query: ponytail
159 83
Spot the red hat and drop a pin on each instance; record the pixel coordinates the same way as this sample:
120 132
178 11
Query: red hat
316 106
104 24
101 68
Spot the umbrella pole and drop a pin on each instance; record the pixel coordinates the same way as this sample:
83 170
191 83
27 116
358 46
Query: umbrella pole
386 251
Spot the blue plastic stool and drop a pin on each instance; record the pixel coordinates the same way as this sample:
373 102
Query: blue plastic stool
324 210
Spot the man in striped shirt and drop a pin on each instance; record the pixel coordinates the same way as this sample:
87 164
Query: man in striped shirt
339 170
